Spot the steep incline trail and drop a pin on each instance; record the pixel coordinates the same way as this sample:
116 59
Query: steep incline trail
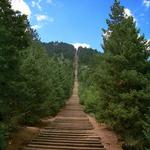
70 130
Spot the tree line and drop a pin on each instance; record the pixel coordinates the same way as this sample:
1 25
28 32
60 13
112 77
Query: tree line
35 78
115 87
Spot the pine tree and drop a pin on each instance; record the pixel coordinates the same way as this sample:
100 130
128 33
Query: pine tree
14 37
47 82
123 80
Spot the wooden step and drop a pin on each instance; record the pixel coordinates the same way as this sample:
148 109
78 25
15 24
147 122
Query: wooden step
60 133
94 141
67 136
87 127
66 131
42 147
68 139
66 144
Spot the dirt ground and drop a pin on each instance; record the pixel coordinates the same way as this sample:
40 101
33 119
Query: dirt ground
108 137
22 137
25 134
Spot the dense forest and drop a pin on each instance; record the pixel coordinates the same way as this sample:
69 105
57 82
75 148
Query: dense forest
35 78
55 49
116 89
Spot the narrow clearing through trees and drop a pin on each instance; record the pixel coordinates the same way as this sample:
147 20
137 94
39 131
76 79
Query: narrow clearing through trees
71 129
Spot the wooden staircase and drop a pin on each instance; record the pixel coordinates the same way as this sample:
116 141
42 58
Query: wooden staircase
71 129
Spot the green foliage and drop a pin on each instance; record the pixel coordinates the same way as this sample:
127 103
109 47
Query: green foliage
88 56
125 94
33 82
89 98
147 130
13 39
34 71
2 137
48 83
57 49
89 60
121 80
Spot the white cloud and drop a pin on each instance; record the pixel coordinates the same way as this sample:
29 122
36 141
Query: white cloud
36 4
36 27
128 13
84 45
21 6
33 3
148 43
146 3
41 17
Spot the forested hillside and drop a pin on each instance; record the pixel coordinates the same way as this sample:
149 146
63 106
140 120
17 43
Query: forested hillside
35 81
62 49
116 89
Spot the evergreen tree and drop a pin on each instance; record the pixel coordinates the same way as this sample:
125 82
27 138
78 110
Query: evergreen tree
13 38
47 83
33 84
123 78
36 82
147 130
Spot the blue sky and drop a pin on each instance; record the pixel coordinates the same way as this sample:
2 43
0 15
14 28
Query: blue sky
79 21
